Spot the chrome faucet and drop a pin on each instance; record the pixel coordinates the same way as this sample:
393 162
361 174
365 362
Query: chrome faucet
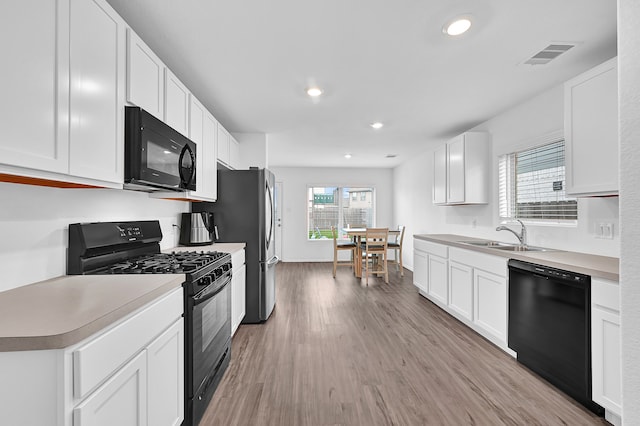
522 236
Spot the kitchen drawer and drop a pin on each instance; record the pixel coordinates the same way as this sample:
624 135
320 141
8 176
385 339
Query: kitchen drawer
431 248
238 259
494 264
605 293
99 358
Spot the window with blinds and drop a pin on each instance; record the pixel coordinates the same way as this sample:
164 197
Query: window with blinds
532 185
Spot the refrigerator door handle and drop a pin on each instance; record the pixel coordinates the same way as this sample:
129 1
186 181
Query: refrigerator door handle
273 261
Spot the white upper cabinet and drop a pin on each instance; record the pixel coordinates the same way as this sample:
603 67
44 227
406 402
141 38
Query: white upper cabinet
591 131
96 132
145 76
223 145
210 155
34 85
176 103
461 170
234 153
203 130
440 175
70 72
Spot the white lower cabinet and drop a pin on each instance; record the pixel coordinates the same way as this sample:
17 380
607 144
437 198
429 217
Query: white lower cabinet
605 347
470 285
430 274
461 289
238 289
131 373
165 361
121 401
420 259
437 278
490 307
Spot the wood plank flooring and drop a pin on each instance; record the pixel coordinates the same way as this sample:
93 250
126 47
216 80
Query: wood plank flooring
336 352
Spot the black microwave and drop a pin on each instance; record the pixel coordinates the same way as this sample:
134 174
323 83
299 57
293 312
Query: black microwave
156 156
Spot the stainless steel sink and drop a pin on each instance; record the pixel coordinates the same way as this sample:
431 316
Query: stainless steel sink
498 245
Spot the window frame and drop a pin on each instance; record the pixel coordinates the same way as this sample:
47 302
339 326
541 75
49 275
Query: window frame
340 225
532 144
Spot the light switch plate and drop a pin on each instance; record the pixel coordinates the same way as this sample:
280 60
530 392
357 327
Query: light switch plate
604 230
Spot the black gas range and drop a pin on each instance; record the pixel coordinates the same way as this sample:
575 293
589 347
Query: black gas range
134 248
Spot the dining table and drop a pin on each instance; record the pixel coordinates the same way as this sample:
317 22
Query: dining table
356 234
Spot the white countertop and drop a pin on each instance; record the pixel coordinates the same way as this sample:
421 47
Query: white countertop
590 264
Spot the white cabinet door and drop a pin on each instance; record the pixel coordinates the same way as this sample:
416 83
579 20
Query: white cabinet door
223 145
605 345
490 296
176 103
165 367
461 289
606 357
455 170
203 131
591 131
461 170
121 401
145 76
420 264
96 133
234 153
437 278
210 160
196 128
34 133
238 296
440 175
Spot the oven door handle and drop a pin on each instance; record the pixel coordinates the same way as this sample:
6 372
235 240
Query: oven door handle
205 294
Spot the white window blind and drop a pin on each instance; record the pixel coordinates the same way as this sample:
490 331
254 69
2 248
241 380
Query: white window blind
532 185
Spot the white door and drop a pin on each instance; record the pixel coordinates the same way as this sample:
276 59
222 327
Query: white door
278 218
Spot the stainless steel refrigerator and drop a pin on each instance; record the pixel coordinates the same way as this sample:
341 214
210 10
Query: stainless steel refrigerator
244 212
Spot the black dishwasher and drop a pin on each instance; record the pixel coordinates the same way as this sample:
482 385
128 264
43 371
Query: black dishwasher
550 326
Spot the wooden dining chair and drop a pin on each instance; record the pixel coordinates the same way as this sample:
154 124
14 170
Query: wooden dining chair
396 246
351 246
374 249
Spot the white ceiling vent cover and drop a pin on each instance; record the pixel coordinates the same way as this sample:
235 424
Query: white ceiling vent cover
549 53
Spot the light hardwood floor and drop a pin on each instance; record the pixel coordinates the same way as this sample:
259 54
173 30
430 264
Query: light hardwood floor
336 352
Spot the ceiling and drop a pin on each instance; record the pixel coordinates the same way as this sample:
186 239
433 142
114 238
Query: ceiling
250 63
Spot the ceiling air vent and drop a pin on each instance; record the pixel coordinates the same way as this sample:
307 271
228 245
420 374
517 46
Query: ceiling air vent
549 53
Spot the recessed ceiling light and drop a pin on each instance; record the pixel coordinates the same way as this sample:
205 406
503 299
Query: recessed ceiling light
457 26
377 125
314 92
347 156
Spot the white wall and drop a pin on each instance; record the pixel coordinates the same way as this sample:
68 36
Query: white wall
34 224
253 149
513 129
629 107
295 245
